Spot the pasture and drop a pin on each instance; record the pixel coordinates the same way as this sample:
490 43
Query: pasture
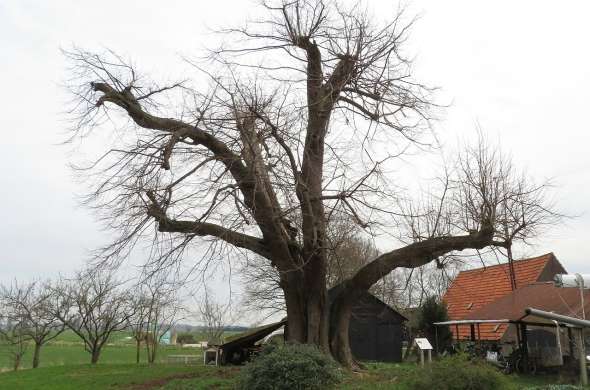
68 349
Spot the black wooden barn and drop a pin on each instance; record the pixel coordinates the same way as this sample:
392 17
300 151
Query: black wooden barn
376 330
376 333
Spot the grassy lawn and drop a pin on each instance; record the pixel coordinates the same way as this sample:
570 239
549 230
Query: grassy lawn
174 377
67 349
64 365
118 376
394 376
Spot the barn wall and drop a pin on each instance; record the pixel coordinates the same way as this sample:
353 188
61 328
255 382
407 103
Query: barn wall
376 332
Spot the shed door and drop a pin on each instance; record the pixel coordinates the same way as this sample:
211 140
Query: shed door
362 339
388 348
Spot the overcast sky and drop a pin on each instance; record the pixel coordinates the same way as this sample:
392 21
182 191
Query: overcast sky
519 69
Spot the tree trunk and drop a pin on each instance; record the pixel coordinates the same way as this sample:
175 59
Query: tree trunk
138 347
95 354
340 312
152 351
307 306
36 355
318 314
17 360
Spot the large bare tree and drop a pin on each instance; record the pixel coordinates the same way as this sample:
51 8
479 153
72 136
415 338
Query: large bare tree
304 115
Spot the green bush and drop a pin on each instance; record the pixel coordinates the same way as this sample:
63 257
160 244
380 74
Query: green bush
555 387
433 310
458 373
290 367
186 338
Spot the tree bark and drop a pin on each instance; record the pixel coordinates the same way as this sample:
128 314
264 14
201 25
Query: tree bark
138 347
95 354
36 355
17 360
340 312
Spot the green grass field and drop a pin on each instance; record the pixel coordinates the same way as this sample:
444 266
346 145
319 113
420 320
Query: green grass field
64 365
175 377
67 349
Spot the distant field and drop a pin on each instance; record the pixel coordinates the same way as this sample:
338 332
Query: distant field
67 349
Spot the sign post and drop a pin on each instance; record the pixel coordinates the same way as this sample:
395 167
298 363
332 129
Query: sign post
424 345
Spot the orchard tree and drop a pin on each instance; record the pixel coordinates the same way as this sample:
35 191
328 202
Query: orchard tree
32 301
303 117
93 305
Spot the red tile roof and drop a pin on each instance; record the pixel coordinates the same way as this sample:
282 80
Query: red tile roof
473 289
542 295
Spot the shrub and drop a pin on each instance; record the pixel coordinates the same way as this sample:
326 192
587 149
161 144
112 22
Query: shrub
555 387
186 338
458 373
290 366
433 310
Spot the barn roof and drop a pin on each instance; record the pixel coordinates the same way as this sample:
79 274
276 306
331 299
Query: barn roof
476 288
333 292
251 336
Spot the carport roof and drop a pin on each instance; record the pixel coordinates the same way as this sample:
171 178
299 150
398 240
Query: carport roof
542 295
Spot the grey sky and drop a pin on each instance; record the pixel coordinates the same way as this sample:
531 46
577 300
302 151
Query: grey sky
519 69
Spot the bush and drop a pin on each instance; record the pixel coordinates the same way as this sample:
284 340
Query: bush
431 311
290 366
186 338
458 373
555 387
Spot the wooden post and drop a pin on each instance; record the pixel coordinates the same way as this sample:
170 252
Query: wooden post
472 332
421 357
582 358
436 339
525 348
430 356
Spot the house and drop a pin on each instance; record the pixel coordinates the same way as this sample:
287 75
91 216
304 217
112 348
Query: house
473 289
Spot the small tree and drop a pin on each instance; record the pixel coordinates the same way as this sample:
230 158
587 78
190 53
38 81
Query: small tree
13 334
93 306
32 301
138 322
214 316
433 310
162 312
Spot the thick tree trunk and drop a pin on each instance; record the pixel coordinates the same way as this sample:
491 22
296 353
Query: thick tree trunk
307 308
318 313
36 355
340 312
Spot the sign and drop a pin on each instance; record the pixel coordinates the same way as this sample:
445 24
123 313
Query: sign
423 344
492 356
